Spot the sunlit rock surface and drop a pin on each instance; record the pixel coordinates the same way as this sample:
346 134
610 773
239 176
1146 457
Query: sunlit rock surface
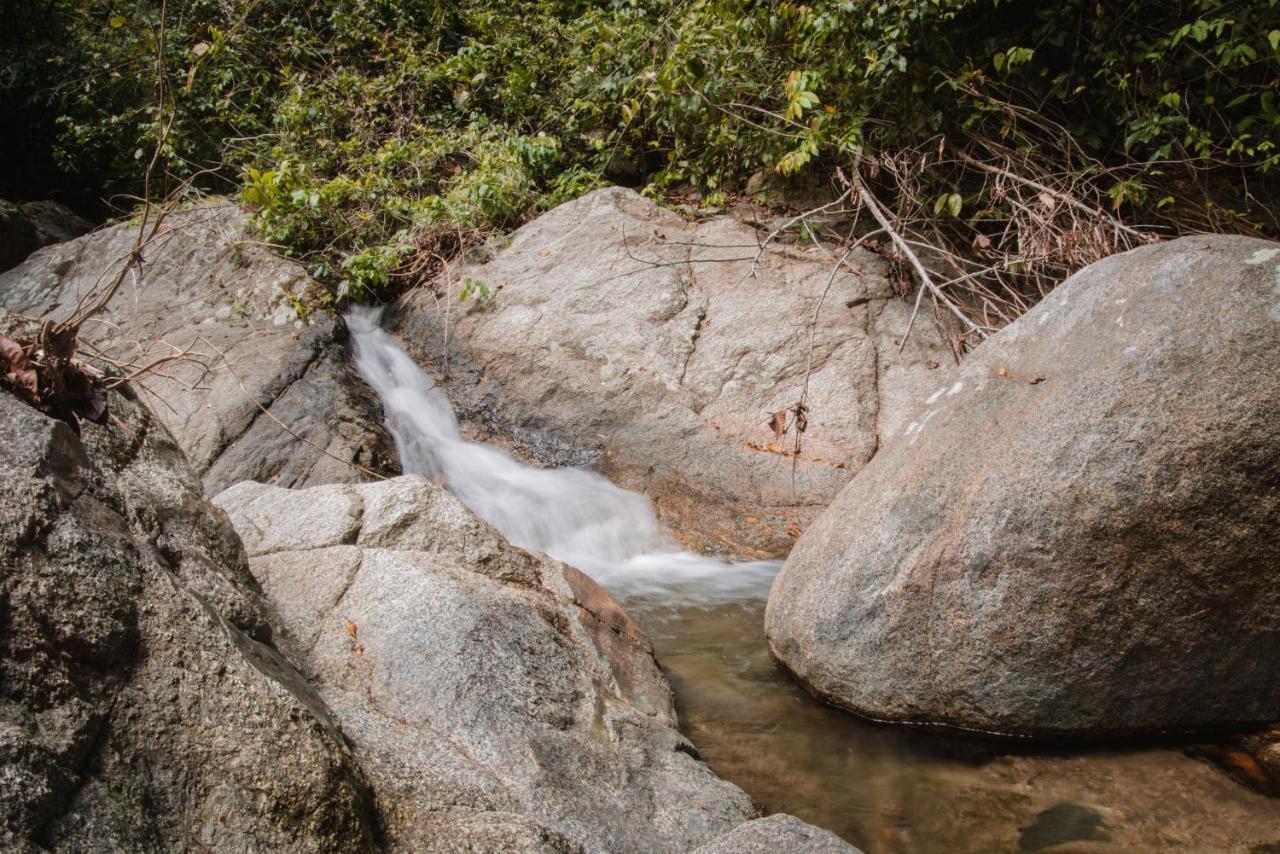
658 349
204 289
1077 533
496 699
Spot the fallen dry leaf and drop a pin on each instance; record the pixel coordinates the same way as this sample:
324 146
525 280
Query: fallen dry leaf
351 629
778 424
17 369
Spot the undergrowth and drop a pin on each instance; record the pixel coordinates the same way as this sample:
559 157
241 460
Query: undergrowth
1016 140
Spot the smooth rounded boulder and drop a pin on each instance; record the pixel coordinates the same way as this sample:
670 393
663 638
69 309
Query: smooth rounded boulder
1079 533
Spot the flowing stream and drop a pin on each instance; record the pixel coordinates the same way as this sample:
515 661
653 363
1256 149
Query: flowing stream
575 516
884 789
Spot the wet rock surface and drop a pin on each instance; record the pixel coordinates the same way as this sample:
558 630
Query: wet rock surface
1252 759
496 699
204 288
1078 533
657 349
144 705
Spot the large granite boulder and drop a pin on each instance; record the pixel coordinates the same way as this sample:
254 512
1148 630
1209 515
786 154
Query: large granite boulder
205 288
144 705
25 228
17 235
658 349
1080 531
497 700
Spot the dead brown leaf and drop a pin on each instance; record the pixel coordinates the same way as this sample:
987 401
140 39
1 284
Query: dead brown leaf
17 369
778 424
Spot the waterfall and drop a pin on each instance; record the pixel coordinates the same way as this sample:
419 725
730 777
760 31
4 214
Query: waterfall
571 514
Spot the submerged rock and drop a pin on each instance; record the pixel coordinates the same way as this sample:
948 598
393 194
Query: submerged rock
1087 801
658 349
206 289
1079 533
143 704
498 700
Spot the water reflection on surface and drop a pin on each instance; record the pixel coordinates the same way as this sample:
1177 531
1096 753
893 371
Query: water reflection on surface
901 789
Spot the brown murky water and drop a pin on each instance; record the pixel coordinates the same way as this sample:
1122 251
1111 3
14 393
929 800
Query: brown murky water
895 789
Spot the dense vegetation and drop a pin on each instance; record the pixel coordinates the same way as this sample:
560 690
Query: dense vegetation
376 136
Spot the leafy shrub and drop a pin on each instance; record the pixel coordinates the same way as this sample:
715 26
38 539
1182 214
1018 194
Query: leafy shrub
368 134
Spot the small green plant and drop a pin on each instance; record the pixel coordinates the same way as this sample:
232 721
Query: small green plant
474 288
299 306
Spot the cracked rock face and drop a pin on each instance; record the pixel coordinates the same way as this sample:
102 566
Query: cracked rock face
143 703
1078 533
204 286
498 700
658 349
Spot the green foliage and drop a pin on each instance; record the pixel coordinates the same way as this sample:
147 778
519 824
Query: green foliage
472 287
360 131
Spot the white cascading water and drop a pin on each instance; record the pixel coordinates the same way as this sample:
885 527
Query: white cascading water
573 515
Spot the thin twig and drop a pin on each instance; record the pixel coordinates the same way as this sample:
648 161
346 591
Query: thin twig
876 211
1043 188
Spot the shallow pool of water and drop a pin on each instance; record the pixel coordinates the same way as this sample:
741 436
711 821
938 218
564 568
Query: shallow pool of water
903 789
